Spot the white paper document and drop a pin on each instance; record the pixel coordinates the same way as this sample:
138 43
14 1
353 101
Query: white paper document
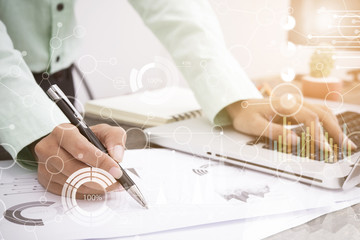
182 191
249 229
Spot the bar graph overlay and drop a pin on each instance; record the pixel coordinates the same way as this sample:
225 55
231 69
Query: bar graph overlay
312 143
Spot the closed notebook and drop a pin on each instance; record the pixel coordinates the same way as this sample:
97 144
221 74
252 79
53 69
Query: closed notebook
146 109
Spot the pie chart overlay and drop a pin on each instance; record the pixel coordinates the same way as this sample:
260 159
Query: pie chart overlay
70 203
14 215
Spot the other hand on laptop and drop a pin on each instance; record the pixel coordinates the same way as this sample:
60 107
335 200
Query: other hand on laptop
264 117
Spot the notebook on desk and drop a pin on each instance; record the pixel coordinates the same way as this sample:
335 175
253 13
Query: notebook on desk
148 108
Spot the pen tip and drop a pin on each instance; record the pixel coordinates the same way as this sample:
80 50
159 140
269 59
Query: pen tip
136 194
144 203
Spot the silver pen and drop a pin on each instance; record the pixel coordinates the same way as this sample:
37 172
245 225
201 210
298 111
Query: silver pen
55 93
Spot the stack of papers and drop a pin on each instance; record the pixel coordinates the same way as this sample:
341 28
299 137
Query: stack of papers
183 191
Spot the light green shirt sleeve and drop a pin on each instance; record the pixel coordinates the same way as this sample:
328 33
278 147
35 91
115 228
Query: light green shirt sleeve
27 114
45 29
191 33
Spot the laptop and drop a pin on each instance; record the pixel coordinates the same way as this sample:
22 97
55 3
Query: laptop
198 136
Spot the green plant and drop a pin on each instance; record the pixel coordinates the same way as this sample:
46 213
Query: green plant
321 62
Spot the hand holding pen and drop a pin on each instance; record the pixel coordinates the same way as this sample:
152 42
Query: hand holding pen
66 149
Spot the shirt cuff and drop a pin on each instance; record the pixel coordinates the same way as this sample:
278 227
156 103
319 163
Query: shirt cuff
222 83
36 122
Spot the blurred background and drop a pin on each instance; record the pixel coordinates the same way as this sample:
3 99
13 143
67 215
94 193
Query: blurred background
268 38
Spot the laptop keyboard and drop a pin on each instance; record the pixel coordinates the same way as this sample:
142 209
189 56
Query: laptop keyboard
352 121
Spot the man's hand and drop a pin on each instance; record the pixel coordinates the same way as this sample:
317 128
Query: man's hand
262 118
65 151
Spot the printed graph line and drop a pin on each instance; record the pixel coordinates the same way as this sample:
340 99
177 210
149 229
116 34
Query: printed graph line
21 186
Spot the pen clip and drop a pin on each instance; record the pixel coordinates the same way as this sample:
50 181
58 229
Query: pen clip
55 93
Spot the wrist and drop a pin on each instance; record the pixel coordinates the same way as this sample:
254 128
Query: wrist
31 147
233 109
